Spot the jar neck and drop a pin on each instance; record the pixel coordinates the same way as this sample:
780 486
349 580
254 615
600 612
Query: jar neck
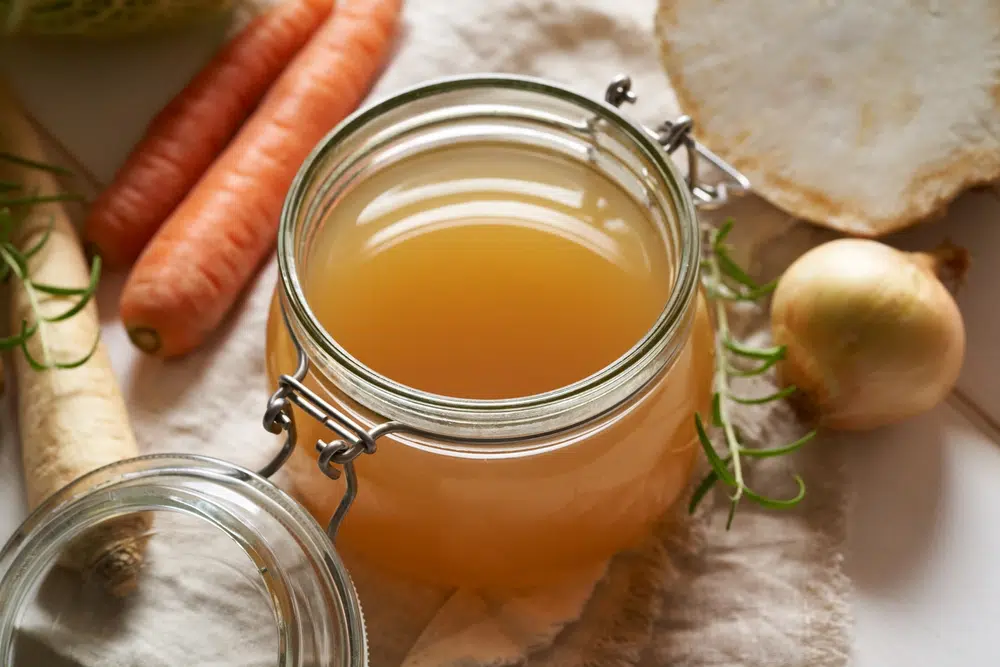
316 611
491 108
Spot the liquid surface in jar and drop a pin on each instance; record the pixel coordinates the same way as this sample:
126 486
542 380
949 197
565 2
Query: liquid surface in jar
492 271
488 272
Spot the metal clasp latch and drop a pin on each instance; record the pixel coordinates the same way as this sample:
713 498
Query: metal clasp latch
671 135
352 439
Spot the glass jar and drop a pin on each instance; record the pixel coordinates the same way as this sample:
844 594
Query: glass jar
293 601
491 493
507 492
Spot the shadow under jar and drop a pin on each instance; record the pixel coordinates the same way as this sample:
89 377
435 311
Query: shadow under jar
499 279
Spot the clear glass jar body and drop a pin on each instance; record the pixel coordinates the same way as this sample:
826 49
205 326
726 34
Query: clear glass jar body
201 510
500 494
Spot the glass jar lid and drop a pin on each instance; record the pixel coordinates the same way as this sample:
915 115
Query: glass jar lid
233 571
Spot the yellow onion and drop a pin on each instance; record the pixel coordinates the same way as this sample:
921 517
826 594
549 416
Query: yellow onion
872 334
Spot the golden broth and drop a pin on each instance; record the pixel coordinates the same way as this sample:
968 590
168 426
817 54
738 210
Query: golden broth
486 272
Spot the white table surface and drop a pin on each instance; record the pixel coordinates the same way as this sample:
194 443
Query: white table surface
923 551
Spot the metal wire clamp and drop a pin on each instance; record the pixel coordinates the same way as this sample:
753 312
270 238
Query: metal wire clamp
673 134
353 439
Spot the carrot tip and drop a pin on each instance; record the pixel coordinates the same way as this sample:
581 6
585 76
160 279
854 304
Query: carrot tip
145 339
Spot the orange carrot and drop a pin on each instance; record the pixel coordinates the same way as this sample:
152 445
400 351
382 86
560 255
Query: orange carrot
183 139
197 265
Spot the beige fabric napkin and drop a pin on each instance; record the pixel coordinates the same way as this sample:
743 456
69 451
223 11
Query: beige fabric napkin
771 592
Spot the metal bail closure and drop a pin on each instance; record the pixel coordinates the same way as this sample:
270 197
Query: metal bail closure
352 441
674 134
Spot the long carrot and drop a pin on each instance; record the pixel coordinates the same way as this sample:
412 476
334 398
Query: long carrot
186 136
192 272
71 420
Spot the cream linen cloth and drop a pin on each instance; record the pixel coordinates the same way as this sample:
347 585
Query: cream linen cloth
770 593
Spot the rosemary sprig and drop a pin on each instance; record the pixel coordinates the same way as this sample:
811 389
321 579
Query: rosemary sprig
33 164
31 200
14 211
725 281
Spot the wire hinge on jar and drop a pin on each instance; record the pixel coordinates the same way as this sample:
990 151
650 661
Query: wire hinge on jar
352 439
677 133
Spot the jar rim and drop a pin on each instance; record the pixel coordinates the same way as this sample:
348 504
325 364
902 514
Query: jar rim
670 321
24 557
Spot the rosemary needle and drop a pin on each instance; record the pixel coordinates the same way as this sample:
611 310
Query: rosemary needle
33 164
14 212
724 281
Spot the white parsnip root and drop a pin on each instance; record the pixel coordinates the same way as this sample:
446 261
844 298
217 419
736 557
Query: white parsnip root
72 421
